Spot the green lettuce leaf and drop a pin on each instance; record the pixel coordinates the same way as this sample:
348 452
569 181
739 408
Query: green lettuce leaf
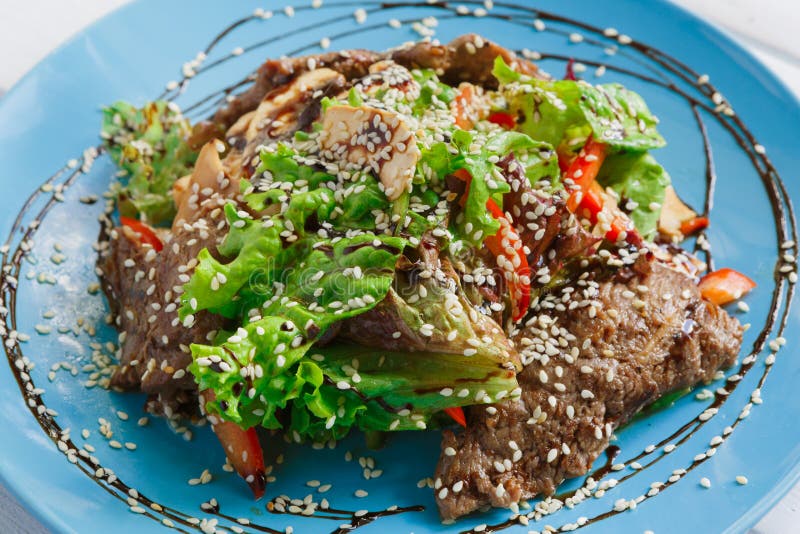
430 88
424 380
291 297
637 178
149 144
555 111
478 154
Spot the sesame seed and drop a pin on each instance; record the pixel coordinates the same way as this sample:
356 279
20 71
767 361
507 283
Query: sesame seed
741 480
705 482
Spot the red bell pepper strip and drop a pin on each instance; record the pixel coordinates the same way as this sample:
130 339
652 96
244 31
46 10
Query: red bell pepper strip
146 234
506 243
565 157
694 225
244 453
583 172
724 286
586 197
457 414
501 118
242 449
461 105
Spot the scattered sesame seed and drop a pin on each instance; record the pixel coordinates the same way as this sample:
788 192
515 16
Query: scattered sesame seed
360 15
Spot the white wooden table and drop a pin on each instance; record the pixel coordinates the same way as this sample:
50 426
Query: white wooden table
767 27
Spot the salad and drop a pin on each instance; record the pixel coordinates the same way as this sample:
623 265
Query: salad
429 237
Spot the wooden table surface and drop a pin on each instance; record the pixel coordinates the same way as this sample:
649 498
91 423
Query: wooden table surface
768 28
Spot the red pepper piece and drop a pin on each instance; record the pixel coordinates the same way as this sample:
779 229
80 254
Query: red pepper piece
457 414
146 234
694 225
501 118
724 286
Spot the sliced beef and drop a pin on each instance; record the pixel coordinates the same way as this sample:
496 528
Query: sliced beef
587 372
275 73
144 288
467 58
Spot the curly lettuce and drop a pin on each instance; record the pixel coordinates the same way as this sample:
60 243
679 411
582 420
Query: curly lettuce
641 184
565 113
303 258
150 145
555 110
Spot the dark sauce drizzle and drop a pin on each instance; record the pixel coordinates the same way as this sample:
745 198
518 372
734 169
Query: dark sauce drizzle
776 320
351 519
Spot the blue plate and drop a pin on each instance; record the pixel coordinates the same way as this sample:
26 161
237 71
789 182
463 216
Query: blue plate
51 117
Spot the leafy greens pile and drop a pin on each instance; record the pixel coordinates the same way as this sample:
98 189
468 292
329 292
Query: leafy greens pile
291 293
564 113
149 146
315 248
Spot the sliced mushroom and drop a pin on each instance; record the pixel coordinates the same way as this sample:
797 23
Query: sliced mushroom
674 212
208 178
282 111
371 138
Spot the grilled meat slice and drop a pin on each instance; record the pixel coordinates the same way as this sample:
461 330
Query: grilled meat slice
144 286
467 58
276 73
587 372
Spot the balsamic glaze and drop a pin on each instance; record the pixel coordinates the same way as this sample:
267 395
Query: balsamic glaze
782 208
